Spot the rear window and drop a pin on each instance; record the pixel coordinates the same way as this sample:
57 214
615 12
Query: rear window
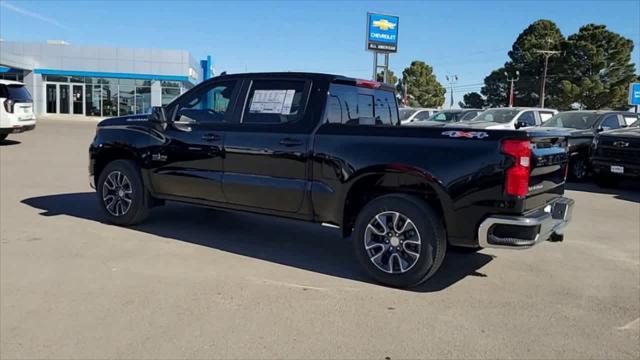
15 92
352 105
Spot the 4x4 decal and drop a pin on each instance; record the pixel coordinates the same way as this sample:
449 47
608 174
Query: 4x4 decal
466 134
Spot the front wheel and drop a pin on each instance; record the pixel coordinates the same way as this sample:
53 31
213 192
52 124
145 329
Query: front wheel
121 193
578 169
399 240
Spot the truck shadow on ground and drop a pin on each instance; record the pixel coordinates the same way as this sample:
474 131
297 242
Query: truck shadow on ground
287 242
624 189
7 142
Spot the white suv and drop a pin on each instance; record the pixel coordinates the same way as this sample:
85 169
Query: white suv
16 109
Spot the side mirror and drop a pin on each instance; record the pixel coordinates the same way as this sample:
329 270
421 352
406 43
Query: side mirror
521 124
602 128
158 115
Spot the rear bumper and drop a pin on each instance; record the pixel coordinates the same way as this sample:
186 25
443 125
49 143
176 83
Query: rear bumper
17 129
522 232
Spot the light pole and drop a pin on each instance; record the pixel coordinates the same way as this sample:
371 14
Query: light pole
452 80
512 89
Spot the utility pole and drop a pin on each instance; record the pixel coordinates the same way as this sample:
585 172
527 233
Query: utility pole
512 89
547 54
452 80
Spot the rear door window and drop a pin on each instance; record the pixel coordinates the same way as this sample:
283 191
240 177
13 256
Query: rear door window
275 102
545 115
352 105
630 119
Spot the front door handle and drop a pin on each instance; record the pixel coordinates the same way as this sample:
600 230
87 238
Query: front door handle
290 142
210 137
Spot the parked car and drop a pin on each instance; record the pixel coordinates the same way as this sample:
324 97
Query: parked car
509 118
409 115
16 112
582 127
447 116
329 149
616 154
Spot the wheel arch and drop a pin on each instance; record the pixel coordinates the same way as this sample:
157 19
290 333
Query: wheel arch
371 184
106 154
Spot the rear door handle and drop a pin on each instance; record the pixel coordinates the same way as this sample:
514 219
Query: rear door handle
290 142
210 137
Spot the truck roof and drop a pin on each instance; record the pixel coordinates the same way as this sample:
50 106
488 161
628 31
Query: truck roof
306 75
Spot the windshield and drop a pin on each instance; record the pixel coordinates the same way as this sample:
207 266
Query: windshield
406 113
501 116
445 116
572 120
15 92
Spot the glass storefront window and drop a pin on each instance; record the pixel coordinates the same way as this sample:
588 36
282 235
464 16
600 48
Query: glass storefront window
93 100
170 84
127 100
109 97
56 78
143 100
143 82
128 82
168 94
77 79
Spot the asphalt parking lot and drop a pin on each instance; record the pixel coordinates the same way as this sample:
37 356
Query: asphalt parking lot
201 283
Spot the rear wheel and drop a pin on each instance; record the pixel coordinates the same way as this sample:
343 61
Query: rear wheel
399 240
121 193
3 136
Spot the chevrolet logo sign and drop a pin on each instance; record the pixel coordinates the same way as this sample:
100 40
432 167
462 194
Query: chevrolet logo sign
620 144
384 24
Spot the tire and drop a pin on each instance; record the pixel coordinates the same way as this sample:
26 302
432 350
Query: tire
402 269
578 169
121 193
3 136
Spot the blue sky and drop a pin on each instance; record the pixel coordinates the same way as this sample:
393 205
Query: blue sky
467 38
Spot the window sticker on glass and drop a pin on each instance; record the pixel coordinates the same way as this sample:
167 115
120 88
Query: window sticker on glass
272 101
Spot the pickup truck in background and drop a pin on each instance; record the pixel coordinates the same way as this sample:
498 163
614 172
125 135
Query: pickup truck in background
330 150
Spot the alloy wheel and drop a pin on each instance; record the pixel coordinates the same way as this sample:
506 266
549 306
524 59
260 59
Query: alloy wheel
392 242
117 193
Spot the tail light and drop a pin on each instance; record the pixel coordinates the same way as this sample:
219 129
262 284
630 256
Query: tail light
517 182
9 105
367 84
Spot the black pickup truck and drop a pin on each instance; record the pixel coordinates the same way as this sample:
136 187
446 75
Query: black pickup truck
616 154
330 149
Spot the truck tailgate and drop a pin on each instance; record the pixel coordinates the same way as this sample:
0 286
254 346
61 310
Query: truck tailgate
549 163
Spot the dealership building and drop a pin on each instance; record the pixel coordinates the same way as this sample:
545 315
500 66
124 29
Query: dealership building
99 81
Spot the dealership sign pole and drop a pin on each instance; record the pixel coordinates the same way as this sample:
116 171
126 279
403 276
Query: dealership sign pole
634 95
382 38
